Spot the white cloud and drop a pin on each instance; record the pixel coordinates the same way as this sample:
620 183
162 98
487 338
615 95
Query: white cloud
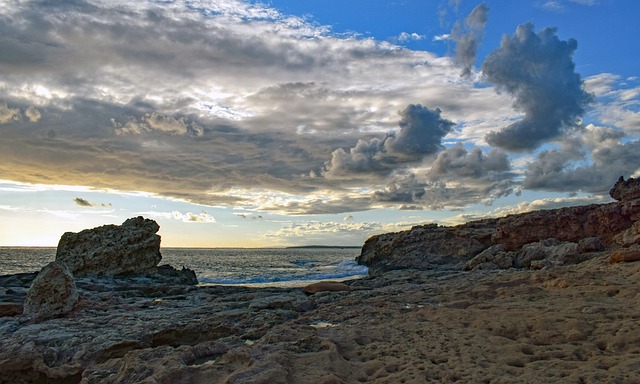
188 217
8 114
32 114
403 37
443 37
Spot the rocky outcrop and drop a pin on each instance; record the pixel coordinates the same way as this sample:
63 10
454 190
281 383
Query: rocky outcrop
53 293
565 224
426 247
535 240
626 190
130 248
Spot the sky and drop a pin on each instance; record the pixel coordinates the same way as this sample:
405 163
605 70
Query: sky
265 124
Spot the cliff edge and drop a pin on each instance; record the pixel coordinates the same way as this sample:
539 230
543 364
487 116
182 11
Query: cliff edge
533 240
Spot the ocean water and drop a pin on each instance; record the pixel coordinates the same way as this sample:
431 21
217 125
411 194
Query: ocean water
226 266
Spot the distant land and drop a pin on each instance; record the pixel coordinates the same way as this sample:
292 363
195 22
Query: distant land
326 246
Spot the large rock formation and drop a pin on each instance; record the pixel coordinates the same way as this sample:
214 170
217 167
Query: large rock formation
130 248
530 240
53 293
426 246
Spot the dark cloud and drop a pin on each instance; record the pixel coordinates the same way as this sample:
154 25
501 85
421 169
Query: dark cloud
468 36
456 178
82 202
457 162
568 169
421 133
538 70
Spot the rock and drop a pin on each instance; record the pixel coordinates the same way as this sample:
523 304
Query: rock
626 190
590 244
493 257
169 275
426 247
625 255
565 224
630 236
325 286
131 248
53 293
10 309
293 302
552 251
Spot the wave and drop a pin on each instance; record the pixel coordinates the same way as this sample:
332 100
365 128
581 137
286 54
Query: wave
342 270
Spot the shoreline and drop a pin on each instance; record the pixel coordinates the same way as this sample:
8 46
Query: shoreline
563 324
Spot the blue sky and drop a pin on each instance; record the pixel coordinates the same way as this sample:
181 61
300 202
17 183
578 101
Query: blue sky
236 123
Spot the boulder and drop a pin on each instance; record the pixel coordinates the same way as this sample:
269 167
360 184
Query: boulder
53 293
590 244
546 253
170 275
130 248
326 286
493 257
626 190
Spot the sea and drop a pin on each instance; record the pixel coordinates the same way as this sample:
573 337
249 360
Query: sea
259 267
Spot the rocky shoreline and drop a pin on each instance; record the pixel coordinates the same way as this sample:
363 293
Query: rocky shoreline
442 304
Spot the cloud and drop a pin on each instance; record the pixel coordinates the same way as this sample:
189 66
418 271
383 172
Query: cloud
86 203
566 169
404 37
443 37
523 207
160 123
585 2
553 5
601 84
8 114
421 132
538 70
32 114
456 178
82 202
249 216
187 217
468 36
618 101
232 103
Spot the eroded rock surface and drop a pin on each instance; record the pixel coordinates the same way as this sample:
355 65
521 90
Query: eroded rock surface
130 248
53 293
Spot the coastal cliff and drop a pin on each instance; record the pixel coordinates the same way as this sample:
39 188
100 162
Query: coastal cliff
528 240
